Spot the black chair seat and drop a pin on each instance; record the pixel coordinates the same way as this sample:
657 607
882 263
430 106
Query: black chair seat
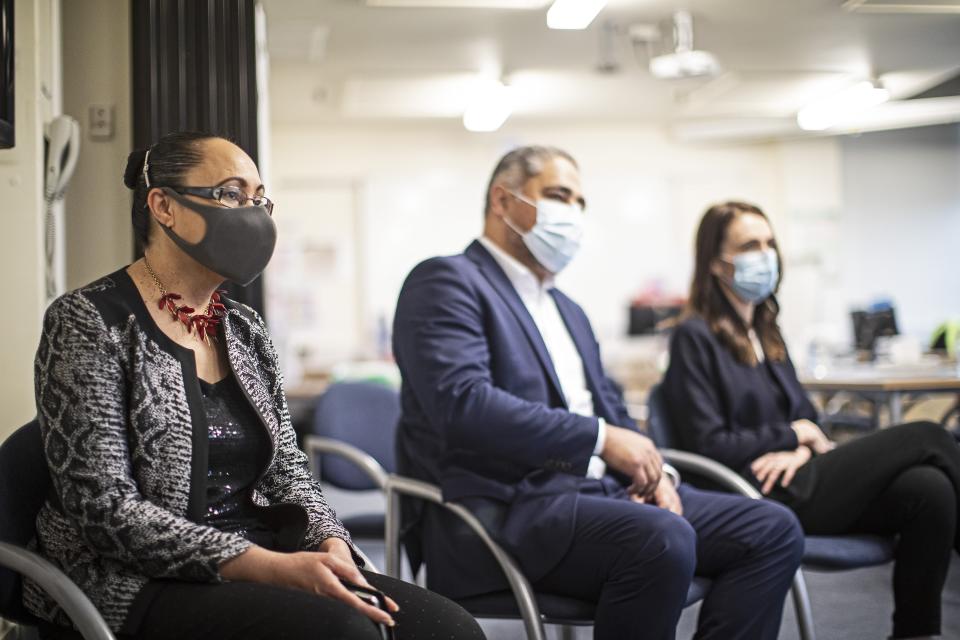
365 525
22 492
830 553
555 609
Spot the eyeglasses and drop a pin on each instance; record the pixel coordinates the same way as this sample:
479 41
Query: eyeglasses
229 196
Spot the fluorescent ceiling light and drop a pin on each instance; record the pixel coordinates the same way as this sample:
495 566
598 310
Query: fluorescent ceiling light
900 114
489 107
852 101
460 4
573 14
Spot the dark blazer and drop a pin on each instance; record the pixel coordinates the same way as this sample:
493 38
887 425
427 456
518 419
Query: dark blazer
125 438
483 415
727 410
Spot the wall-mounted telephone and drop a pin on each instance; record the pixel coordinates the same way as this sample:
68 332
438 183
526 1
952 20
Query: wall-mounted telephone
62 147
61 150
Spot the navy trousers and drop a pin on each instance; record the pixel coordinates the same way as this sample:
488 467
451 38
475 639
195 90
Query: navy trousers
637 561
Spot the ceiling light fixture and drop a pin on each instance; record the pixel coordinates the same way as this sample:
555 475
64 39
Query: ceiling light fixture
489 107
852 101
573 14
459 4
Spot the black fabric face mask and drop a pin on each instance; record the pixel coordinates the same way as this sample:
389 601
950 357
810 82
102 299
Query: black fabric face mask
238 243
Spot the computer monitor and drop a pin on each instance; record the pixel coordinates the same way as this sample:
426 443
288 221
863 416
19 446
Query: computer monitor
870 325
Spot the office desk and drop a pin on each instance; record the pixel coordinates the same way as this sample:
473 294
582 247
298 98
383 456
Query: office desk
889 384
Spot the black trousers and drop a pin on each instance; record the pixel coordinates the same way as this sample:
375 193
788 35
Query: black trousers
902 481
253 611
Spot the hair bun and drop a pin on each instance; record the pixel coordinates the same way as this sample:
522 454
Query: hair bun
134 168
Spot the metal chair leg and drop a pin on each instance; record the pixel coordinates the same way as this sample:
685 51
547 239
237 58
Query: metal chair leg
802 608
392 534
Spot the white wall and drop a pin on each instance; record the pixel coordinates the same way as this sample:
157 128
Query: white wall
96 70
857 217
422 189
37 80
900 232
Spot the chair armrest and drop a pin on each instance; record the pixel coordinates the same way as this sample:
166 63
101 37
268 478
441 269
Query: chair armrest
367 562
68 595
734 482
711 470
397 486
315 445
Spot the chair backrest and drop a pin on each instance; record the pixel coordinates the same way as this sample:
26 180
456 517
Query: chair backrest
24 484
658 421
364 414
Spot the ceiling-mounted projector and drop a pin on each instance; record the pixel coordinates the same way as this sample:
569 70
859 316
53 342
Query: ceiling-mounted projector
684 61
684 64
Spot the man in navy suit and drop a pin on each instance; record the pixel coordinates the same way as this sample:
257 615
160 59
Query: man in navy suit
506 406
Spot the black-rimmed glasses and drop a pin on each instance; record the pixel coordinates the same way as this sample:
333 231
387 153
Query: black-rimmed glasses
229 196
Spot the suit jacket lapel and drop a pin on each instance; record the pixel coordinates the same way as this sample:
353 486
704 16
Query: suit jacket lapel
498 279
788 389
242 355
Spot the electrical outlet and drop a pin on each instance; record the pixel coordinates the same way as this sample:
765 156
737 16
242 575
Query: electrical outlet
101 121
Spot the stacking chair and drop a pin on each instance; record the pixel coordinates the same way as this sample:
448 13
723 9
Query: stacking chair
821 553
534 609
24 483
363 415
355 427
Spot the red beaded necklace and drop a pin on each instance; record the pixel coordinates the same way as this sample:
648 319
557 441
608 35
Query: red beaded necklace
204 323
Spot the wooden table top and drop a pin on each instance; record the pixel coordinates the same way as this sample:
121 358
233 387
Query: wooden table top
885 379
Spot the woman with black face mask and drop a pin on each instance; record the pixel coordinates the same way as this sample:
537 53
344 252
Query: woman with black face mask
181 504
732 394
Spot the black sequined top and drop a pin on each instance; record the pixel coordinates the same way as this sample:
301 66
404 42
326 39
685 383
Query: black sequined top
239 451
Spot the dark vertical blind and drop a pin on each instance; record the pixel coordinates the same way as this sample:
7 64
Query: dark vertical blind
194 68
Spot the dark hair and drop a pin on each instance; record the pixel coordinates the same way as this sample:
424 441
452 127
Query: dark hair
708 300
520 165
170 158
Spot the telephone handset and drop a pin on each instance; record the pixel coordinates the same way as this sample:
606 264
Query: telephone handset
62 150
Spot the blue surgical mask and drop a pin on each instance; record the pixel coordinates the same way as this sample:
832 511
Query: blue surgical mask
755 275
555 238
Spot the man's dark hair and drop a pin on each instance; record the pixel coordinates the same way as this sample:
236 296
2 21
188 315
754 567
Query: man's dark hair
521 164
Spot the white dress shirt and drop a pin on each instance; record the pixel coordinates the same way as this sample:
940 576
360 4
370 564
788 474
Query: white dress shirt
556 337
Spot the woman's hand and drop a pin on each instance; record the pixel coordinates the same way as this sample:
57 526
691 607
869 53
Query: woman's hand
316 572
337 547
771 466
810 435
664 496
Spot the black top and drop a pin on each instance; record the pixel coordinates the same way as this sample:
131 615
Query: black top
724 409
239 451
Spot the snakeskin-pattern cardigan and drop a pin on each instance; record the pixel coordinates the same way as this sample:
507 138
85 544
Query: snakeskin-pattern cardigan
125 437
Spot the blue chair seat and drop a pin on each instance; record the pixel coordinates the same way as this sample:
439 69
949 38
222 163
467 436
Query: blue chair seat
365 525
555 609
835 553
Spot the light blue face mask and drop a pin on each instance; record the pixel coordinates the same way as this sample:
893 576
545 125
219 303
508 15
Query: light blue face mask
755 275
555 238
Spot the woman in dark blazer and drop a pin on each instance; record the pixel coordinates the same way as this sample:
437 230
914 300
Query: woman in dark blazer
181 504
732 394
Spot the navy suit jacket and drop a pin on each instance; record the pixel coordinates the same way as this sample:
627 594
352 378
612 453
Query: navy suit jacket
483 416
727 410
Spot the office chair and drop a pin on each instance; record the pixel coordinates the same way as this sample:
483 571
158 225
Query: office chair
821 553
364 415
24 483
